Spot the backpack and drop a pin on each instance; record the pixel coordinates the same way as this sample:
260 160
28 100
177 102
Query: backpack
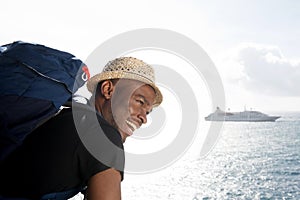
35 81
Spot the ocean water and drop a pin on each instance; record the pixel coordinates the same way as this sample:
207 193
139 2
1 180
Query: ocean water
251 160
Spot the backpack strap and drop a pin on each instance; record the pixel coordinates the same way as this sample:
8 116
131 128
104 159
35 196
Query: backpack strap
63 195
53 196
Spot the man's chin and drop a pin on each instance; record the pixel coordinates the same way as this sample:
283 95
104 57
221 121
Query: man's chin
125 134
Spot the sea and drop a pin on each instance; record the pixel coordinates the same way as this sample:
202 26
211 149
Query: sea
250 160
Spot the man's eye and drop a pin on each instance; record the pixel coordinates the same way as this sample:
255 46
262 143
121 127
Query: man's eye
140 101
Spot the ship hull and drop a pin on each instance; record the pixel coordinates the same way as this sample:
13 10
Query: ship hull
245 116
232 119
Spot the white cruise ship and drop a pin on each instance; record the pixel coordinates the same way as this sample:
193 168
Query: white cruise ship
245 116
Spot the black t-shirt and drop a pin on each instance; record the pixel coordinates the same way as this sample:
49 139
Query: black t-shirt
54 158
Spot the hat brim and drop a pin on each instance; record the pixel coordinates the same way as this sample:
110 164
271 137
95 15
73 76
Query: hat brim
92 82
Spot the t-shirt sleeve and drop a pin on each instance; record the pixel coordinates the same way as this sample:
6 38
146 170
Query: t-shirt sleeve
89 165
100 147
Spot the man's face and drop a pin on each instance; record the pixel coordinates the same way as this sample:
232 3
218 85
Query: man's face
131 102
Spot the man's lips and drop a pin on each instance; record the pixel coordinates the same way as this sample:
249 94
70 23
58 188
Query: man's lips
132 126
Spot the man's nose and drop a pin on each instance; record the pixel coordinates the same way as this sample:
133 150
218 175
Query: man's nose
143 115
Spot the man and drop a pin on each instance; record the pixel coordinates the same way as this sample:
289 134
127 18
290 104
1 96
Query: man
66 152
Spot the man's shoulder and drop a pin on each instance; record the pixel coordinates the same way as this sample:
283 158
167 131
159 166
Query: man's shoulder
86 113
88 121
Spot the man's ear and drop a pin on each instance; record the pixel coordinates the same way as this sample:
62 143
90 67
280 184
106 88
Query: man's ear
107 89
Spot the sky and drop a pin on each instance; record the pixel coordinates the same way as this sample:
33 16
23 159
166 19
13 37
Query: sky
254 44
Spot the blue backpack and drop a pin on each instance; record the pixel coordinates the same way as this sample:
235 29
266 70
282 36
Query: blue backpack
35 81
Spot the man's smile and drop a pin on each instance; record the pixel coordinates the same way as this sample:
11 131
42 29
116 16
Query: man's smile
132 126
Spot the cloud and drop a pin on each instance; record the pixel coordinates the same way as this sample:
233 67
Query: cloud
263 69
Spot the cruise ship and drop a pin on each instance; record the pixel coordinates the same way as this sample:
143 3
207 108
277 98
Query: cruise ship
245 116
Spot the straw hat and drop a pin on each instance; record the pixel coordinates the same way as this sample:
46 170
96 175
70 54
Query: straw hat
127 68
